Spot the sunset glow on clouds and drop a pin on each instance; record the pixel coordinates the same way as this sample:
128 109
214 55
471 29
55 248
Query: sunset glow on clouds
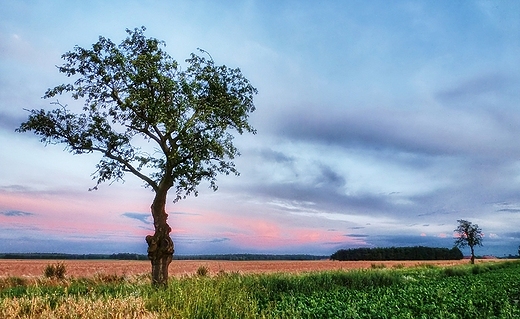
378 125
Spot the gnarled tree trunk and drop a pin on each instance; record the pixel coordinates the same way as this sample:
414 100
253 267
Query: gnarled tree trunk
160 245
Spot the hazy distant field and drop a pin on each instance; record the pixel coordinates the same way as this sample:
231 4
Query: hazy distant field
86 268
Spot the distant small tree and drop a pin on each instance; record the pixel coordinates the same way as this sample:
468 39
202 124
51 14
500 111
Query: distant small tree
468 234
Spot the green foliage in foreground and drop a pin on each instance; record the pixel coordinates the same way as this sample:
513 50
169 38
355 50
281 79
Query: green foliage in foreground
490 290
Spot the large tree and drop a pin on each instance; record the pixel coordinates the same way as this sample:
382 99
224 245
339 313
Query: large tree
135 91
468 234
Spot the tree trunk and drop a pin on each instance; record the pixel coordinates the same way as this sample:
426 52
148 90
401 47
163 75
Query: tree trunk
472 255
160 245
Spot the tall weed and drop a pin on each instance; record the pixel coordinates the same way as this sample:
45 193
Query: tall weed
55 271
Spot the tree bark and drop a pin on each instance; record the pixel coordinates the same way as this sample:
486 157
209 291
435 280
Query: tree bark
472 255
160 245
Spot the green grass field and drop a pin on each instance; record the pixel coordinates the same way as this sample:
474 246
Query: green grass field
490 290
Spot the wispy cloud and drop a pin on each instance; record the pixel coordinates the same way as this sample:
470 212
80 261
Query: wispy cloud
275 156
356 235
184 213
219 240
144 218
478 87
16 213
509 210
15 188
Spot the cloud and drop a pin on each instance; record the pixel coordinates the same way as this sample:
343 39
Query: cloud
329 178
9 122
473 116
144 218
409 240
17 213
219 240
512 235
275 156
509 210
184 213
434 131
310 196
356 235
15 189
433 213
477 87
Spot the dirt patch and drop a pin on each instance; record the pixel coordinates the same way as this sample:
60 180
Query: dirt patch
87 268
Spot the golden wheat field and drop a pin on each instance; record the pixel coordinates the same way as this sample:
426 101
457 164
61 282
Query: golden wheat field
87 268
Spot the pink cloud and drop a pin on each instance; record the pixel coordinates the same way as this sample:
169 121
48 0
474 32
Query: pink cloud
98 215
62 213
248 230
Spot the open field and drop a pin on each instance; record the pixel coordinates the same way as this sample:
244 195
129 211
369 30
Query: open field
482 291
87 268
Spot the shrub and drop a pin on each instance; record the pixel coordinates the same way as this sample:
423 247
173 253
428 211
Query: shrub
202 271
55 271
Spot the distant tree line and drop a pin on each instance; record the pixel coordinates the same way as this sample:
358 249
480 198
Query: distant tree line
246 257
119 256
398 253
130 256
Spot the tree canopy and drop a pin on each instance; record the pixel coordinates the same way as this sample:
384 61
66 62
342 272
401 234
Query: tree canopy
137 89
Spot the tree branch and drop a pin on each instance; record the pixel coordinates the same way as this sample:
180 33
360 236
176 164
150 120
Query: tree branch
159 138
129 166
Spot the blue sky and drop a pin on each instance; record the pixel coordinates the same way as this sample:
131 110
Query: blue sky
379 124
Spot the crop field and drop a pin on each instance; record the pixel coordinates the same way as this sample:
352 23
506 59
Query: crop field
87 268
374 290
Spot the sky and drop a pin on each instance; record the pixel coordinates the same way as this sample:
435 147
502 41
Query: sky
380 123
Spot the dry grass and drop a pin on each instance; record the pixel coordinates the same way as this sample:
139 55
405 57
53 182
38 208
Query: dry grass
74 308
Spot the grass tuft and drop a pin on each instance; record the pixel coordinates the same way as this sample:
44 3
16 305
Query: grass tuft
203 271
377 266
55 271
